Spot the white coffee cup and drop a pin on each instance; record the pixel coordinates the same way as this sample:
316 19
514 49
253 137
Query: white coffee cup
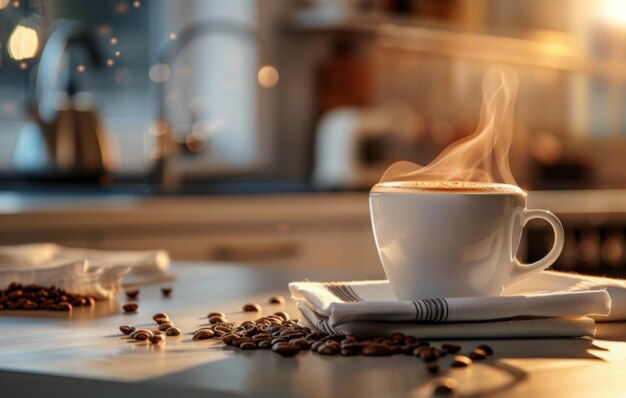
453 240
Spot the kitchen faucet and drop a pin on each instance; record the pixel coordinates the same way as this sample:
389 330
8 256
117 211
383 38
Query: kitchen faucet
66 141
166 145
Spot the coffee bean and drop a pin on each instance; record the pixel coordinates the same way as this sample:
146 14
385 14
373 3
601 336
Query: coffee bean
64 306
329 348
160 315
276 300
445 387
423 343
451 348
164 326
376 350
396 338
248 345
230 338
129 307
264 345
316 345
352 345
125 329
283 315
247 324
461 361
301 343
78 302
166 291
487 349
156 338
203 334
30 305
216 313
252 307
418 351
217 319
173 331
410 340
139 331
132 294
285 349
347 352
261 337
90 301
429 355
408 349
432 368
478 353
161 321
141 335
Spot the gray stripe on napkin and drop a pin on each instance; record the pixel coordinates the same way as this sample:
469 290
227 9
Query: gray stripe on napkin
325 327
342 292
431 310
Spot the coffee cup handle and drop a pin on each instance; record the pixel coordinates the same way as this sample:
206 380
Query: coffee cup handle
521 270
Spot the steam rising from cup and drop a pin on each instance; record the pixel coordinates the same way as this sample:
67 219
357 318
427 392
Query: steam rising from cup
482 157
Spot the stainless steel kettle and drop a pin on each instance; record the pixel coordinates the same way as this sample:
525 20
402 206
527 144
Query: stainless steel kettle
66 140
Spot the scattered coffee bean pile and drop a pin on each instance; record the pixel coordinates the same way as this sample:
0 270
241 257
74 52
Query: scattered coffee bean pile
33 297
165 327
287 338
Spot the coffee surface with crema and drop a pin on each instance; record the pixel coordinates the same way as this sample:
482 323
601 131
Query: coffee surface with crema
445 187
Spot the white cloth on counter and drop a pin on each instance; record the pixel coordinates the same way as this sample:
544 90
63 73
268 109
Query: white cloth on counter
547 304
514 328
99 273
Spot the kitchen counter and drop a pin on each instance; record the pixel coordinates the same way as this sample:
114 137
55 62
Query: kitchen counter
54 354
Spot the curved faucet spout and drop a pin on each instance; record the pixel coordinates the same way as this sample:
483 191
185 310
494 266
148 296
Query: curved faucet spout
169 49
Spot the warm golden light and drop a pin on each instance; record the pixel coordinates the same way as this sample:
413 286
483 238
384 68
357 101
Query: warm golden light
110 62
136 3
268 76
23 43
3 3
117 53
80 68
614 12
173 36
23 65
114 41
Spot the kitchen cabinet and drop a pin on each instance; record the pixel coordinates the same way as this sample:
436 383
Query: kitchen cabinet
316 231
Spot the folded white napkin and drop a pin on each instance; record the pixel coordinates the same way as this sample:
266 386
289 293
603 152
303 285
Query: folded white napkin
84 271
551 304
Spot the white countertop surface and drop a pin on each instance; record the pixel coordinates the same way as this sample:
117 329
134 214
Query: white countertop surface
85 355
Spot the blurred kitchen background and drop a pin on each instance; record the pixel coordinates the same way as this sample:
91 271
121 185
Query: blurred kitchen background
250 131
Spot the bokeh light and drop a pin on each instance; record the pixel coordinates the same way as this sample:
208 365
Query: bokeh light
23 42
268 76
159 73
